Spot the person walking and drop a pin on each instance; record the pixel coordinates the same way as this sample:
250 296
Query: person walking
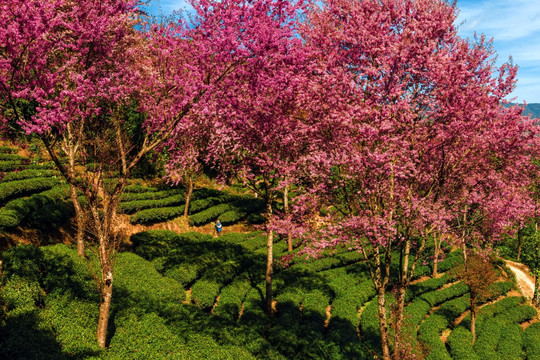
219 227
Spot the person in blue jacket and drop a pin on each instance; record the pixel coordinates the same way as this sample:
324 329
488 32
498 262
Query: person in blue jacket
218 227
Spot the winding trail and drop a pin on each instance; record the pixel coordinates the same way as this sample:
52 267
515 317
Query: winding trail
524 279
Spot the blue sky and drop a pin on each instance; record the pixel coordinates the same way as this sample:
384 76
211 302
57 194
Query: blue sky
513 24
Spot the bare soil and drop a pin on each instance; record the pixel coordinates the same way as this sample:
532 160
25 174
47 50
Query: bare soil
524 278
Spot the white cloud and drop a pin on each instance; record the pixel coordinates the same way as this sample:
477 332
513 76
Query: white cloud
515 27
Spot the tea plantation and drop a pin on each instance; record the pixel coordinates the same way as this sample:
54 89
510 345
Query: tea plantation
195 296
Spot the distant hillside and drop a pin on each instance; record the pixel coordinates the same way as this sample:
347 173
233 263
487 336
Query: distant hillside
533 109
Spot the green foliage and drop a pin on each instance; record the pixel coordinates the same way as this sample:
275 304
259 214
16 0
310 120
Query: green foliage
490 331
20 295
136 205
21 187
148 216
7 150
231 298
75 324
16 210
232 217
208 215
204 293
422 287
156 243
437 297
511 343
149 195
11 157
144 336
460 344
28 174
140 287
135 188
531 341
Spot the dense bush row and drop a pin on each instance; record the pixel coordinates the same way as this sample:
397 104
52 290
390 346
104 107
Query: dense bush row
16 210
531 341
490 331
7 150
29 173
136 205
148 195
26 186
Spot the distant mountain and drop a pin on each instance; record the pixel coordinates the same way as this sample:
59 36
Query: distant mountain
532 109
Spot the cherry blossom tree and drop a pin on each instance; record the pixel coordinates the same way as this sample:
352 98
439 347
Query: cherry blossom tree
84 63
417 132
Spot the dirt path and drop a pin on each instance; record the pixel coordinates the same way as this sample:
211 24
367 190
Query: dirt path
524 279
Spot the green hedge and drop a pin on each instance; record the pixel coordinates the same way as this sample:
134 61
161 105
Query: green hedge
204 292
430 330
135 188
420 288
531 341
232 217
136 205
490 331
7 150
149 195
16 210
460 344
29 173
231 298
489 311
141 288
437 297
145 336
147 216
11 157
511 343
211 214
21 187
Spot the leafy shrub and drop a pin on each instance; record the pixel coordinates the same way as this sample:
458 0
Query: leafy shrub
232 217
7 150
140 287
511 342
75 324
204 293
135 188
20 295
149 195
20 187
144 336
147 216
437 297
231 298
156 243
451 261
11 157
185 274
531 341
24 261
66 272
208 215
136 205
460 344
28 174
428 285
489 311
490 332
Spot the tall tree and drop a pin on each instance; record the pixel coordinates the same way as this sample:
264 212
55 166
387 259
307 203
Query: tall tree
416 131
84 63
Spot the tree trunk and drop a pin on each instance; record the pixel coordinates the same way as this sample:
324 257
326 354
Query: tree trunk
104 311
79 220
473 320
286 209
269 258
402 287
520 244
383 324
536 293
437 249
188 196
